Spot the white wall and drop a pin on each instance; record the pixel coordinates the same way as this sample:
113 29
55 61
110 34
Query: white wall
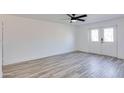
82 35
27 39
0 46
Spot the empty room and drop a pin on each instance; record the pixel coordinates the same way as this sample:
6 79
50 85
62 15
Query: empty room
62 46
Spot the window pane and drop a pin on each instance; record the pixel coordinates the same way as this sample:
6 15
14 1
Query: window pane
108 35
95 35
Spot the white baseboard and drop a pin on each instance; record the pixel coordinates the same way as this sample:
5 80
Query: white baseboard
35 58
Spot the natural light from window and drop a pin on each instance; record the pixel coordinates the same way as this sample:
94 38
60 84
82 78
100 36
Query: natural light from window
108 35
95 35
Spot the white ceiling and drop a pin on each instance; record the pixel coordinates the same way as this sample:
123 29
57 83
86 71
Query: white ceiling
63 18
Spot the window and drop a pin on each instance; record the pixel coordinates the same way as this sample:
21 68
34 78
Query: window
109 35
95 35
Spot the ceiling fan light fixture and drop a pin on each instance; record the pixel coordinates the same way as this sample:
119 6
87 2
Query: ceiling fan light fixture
73 21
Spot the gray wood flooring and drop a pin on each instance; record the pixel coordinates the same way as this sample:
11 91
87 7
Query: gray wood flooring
71 65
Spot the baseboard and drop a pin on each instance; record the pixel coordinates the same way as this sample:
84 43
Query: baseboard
58 55
99 54
31 59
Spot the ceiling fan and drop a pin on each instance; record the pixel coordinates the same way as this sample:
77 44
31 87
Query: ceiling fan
75 18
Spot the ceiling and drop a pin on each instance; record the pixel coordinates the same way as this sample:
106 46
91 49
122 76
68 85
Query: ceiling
63 18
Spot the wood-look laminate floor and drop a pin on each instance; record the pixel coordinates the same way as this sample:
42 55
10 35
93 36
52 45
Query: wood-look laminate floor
71 65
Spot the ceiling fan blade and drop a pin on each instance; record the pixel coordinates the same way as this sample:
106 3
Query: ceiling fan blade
69 15
81 20
81 16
